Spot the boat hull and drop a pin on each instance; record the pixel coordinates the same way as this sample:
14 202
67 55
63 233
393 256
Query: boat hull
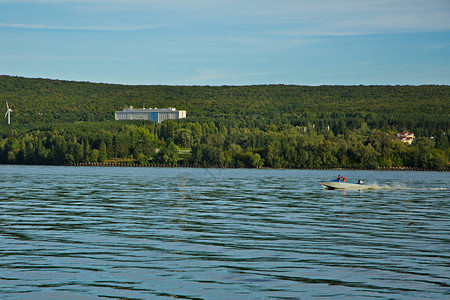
335 185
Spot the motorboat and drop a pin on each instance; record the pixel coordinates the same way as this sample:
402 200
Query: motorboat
341 185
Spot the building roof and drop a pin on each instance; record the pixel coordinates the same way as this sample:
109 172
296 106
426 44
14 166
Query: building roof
167 109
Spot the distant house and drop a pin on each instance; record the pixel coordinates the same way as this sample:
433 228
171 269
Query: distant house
406 137
156 115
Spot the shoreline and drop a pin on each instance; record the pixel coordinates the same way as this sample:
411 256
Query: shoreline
446 169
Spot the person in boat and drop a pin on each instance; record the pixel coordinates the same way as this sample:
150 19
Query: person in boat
341 178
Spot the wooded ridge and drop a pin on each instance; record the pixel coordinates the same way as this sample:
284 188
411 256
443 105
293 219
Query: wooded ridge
61 122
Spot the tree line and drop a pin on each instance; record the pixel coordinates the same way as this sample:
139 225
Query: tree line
219 144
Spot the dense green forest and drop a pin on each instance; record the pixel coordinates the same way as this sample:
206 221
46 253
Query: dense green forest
279 126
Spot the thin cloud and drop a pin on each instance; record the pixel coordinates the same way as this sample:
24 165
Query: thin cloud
377 17
376 24
107 1
91 28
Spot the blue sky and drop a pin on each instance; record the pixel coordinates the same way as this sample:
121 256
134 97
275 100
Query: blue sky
228 42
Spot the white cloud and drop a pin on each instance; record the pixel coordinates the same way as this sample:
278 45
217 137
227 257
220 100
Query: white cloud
375 17
52 27
129 2
293 17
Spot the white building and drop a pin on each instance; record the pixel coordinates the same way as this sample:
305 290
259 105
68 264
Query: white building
150 114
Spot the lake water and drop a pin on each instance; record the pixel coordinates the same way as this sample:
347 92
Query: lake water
146 233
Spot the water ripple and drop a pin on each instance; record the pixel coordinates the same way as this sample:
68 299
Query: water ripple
125 233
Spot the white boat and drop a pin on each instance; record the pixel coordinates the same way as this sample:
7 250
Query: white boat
340 185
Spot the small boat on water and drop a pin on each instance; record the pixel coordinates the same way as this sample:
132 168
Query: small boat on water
340 185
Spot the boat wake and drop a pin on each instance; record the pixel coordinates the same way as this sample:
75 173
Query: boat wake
375 186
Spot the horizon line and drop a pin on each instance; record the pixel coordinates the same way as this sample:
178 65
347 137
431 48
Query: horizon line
221 85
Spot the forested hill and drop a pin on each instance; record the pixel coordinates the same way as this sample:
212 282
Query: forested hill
44 100
61 122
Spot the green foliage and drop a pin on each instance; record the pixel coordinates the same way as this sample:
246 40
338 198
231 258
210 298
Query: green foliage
39 101
277 126
168 155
